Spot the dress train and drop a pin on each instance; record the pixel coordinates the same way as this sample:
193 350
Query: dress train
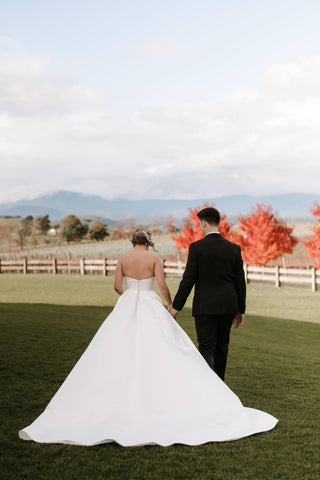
141 381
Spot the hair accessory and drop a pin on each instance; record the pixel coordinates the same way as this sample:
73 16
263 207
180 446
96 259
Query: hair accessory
146 235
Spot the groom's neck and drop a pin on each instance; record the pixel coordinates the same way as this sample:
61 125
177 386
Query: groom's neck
211 229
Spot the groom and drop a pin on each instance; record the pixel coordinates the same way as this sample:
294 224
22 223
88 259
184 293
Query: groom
215 267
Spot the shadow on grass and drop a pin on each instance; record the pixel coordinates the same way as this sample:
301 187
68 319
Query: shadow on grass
273 365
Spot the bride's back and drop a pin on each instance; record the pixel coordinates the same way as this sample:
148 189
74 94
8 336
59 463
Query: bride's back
141 264
138 263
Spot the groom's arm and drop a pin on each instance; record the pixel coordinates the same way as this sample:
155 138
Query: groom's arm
188 279
240 284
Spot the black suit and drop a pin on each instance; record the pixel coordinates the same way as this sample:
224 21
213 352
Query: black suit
215 268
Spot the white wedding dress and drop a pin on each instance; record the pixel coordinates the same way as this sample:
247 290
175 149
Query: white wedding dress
142 381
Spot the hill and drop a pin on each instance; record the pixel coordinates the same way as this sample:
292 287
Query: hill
61 203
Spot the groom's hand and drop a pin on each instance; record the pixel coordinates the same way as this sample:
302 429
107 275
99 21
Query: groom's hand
173 312
238 320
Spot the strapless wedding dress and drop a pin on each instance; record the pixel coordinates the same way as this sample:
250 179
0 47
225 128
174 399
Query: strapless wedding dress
142 381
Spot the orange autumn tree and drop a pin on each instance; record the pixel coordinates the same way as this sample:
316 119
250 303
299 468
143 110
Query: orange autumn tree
191 231
264 236
313 244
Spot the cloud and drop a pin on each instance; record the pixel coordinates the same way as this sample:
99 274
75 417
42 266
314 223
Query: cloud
159 49
56 134
28 87
296 79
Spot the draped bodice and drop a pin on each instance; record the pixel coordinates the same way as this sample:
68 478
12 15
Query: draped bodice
145 284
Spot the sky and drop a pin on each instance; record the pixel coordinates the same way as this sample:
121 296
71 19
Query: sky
172 99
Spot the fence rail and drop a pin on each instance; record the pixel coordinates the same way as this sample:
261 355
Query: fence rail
56 266
280 275
105 266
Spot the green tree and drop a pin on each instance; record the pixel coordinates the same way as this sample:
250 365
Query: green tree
41 224
72 229
44 224
98 231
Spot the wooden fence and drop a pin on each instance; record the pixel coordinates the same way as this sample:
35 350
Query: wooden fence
55 266
104 266
279 275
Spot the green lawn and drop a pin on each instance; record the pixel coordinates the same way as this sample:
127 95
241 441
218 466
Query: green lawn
293 302
46 322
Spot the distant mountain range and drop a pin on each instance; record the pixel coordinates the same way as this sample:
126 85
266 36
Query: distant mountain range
62 203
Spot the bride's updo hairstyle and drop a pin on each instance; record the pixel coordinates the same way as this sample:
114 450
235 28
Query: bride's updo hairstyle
142 236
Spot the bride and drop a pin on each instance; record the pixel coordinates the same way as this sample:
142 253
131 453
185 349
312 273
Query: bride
141 379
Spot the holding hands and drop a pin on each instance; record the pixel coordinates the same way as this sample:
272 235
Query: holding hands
173 312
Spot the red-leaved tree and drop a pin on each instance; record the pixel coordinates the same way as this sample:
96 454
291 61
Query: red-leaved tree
191 230
313 244
263 236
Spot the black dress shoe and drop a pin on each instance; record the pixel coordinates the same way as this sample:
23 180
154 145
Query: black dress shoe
210 361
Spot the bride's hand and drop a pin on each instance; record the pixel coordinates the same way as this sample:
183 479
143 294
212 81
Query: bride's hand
173 312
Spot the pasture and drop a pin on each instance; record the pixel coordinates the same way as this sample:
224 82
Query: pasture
45 246
47 322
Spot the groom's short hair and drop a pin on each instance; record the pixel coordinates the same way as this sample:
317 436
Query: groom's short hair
210 215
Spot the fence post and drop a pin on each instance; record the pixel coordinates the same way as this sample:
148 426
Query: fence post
25 266
82 269
54 266
245 268
104 271
313 279
0 265
68 263
277 276
163 266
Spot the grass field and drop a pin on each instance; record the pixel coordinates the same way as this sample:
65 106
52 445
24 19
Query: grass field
292 302
47 322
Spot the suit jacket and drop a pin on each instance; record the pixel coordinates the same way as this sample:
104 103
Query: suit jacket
215 267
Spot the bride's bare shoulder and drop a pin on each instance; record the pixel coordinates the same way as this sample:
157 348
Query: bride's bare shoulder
155 257
124 256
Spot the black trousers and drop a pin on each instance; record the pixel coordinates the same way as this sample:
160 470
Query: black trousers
213 333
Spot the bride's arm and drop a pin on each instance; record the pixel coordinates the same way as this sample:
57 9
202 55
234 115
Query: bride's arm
159 274
118 278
